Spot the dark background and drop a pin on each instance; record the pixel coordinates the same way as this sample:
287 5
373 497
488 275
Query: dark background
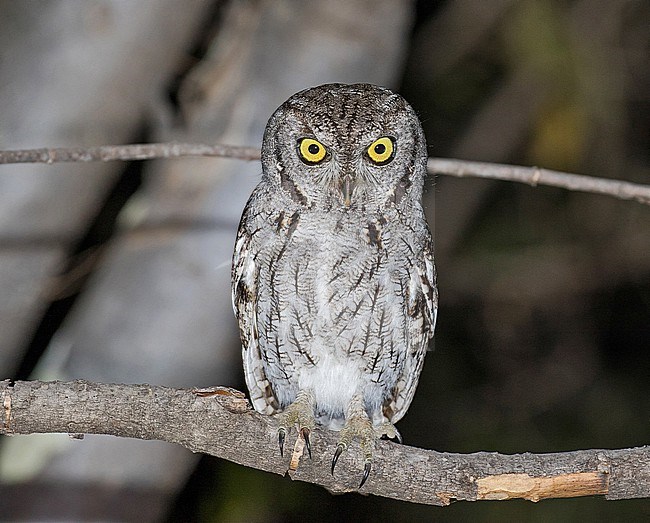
543 338
543 335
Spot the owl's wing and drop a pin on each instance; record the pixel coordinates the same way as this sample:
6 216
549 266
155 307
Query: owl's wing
244 297
422 309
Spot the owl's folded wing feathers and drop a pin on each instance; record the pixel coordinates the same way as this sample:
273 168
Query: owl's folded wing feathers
244 292
422 303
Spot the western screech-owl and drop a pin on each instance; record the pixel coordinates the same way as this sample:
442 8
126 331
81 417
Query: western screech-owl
333 278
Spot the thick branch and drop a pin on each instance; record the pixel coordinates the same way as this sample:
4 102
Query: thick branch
460 168
219 422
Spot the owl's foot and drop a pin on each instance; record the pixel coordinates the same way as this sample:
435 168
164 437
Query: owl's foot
358 425
301 414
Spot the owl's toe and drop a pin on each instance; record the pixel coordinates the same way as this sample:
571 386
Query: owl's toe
388 431
358 426
300 414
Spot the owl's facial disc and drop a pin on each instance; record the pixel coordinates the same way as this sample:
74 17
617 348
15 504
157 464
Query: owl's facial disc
345 147
380 152
316 154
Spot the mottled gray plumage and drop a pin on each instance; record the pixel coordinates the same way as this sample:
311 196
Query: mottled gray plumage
333 278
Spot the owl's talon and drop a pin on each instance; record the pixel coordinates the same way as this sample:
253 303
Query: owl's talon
305 434
366 473
299 414
339 450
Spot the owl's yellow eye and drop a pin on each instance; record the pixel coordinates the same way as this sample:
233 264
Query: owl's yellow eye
382 150
311 151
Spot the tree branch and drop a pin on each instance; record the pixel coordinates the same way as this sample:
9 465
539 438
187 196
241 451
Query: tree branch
539 176
142 151
459 168
218 421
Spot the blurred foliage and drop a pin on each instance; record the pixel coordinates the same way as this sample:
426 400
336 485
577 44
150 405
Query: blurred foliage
544 334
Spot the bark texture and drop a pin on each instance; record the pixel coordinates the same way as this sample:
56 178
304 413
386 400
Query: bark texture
218 421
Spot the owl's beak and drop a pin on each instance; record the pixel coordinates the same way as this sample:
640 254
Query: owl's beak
347 188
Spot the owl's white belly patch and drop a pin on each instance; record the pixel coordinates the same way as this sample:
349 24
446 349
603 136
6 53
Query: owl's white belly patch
333 382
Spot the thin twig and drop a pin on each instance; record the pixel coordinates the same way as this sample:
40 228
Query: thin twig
459 168
539 176
218 421
143 151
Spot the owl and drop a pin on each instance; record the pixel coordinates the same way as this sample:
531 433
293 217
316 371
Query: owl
333 279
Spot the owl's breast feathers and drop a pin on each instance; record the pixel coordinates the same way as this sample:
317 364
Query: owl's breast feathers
333 301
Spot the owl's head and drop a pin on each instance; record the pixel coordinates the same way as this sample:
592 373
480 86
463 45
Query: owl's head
345 146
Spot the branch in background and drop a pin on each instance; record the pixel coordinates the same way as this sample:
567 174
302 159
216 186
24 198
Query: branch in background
539 176
143 151
460 168
218 421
